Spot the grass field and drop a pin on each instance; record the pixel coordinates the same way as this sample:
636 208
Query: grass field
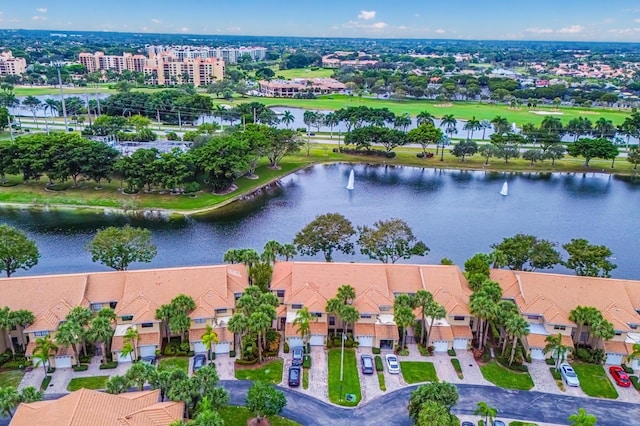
11 378
233 415
304 73
460 110
594 380
181 363
418 372
96 382
268 373
350 383
500 376
54 90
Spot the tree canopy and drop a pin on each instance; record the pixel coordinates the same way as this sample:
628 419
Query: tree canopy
389 241
526 252
17 251
325 234
588 259
117 248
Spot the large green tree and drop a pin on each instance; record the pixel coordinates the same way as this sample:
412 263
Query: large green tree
389 241
589 259
425 134
265 400
117 248
17 251
325 234
592 148
442 393
582 418
527 252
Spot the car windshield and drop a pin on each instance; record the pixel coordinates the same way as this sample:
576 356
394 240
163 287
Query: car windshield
367 362
294 373
393 361
569 373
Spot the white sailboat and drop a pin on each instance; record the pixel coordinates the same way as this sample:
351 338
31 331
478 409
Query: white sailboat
505 189
351 181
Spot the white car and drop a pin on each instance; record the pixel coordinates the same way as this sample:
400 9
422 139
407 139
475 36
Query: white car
392 364
569 375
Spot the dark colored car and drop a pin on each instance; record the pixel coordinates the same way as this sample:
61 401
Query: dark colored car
367 364
294 376
298 353
620 376
199 361
467 424
151 360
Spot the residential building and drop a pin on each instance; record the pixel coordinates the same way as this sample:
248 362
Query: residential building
546 301
98 61
300 86
197 71
311 285
230 55
93 408
10 65
331 61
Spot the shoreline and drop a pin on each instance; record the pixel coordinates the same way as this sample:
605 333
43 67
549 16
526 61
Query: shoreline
163 213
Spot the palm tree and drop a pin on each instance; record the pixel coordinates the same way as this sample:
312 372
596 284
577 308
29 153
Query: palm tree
581 316
258 323
101 330
471 126
449 124
425 117
349 315
164 313
557 349
34 104
287 118
435 311
9 398
346 294
209 338
517 327
482 307
582 418
44 346
403 317
484 125
551 125
602 330
303 321
81 315
422 300
238 324
402 121
604 127
131 338
49 105
22 318
635 354
117 385
485 410
500 125
331 120
309 118
70 334
6 325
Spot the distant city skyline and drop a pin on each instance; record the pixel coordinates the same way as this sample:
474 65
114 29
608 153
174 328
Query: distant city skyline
588 20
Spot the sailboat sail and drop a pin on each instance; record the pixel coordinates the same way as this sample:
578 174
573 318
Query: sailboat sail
351 180
505 189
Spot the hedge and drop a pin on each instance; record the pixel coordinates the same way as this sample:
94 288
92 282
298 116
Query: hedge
306 363
634 381
246 362
109 365
379 365
81 367
376 351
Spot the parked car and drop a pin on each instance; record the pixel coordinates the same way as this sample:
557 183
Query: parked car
569 375
620 376
367 364
298 354
294 376
392 363
467 424
151 360
199 361
499 423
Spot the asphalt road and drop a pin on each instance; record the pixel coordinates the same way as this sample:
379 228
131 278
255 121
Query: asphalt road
391 409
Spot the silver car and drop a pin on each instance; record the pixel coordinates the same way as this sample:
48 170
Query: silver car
569 375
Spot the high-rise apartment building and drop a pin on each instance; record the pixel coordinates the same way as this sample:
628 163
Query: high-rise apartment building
10 65
230 55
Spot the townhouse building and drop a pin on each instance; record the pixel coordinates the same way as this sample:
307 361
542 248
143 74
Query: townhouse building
300 86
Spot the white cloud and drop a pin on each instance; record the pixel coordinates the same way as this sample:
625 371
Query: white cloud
41 10
637 20
233 29
573 29
39 18
539 30
379 25
184 29
362 25
624 30
440 31
145 29
367 14
156 21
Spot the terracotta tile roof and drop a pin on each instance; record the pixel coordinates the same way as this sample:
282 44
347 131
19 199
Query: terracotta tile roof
538 341
224 335
441 333
50 318
318 327
461 331
555 295
384 331
117 343
616 346
291 330
93 408
105 287
145 339
448 286
30 347
364 329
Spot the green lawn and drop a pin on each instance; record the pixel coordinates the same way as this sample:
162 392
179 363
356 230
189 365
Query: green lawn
381 383
350 383
11 378
270 372
181 363
95 382
304 73
418 372
594 380
500 376
234 415
519 423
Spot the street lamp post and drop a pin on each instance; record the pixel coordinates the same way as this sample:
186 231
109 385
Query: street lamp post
59 65
342 358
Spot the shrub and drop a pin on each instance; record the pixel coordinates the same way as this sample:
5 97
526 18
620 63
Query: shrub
45 383
51 370
81 367
190 353
627 369
232 354
306 362
379 366
390 154
556 374
375 351
456 366
550 361
172 136
425 351
270 354
348 343
191 187
420 155
308 347
634 381
246 361
109 365
85 359
184 346
451 352
590 355
273 341
515 366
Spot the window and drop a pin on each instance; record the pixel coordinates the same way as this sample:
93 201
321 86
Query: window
280 293
559 327
533 317
365 316
112 305
221 311
95 307
633 326
237 296
126 317
41 333
296 306
618 333
332 320
316 314
458 318
200 320
385 308
147 324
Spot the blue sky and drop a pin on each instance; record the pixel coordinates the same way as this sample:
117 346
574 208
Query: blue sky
582 20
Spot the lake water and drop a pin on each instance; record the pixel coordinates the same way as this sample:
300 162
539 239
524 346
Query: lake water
456 213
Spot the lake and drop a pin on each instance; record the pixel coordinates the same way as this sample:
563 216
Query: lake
456 213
